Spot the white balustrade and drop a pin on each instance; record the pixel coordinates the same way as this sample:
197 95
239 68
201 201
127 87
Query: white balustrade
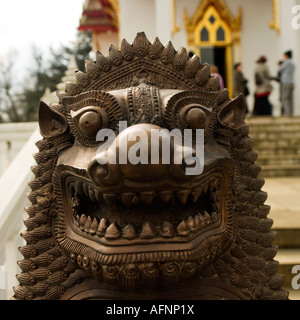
13 199
13 136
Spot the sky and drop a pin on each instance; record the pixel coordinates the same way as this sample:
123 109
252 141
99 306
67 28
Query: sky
43 23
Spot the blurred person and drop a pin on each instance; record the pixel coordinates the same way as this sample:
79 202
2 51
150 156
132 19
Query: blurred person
240 82
214 71
277 78
262 106
287 71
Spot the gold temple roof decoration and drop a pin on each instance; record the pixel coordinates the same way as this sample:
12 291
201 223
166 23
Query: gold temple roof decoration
234 23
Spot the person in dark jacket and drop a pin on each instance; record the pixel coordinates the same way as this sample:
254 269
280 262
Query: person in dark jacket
240 82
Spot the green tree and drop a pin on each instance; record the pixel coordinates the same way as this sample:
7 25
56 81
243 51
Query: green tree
8 102
34 86
47 74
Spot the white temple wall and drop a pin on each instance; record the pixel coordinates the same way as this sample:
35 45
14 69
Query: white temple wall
137 16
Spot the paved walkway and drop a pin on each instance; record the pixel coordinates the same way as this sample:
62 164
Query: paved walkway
284 199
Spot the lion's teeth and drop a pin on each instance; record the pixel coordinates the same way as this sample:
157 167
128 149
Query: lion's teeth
77 218
192 224
87 224
102 227
147 231
167 230
98 195
202 221
195 195
94 227
135 199
128 198
92 194
82 221
110 198
129 232
147 197
198 222
183 229
207 218
214 217
166 196
183 196
112 232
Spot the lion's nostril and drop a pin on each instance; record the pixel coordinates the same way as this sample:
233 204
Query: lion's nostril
101 172
108 174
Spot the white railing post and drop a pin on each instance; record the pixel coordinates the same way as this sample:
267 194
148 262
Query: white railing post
13 198
2 278
13 137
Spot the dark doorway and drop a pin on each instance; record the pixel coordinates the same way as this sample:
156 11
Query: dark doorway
216 56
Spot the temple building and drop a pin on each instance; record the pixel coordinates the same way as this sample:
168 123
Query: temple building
100 17
221 32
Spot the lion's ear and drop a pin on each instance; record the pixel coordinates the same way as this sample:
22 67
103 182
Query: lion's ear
51 122
234 113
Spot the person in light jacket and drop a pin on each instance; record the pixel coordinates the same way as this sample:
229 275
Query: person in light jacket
287 71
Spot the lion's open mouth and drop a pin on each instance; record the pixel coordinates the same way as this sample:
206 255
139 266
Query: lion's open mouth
141 218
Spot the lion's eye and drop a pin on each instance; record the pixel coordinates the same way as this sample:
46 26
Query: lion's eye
195 116
89 120
90 123
196 119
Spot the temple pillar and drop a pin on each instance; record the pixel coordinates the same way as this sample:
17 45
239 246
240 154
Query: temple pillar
165 12
135 17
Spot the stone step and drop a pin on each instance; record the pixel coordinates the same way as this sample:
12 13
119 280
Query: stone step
273 125
271 171
272 121
279 160
265 127
293 294
287 238
288 135
275 143
284 200
268 150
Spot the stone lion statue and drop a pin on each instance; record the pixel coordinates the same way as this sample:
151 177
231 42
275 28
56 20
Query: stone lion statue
115 229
